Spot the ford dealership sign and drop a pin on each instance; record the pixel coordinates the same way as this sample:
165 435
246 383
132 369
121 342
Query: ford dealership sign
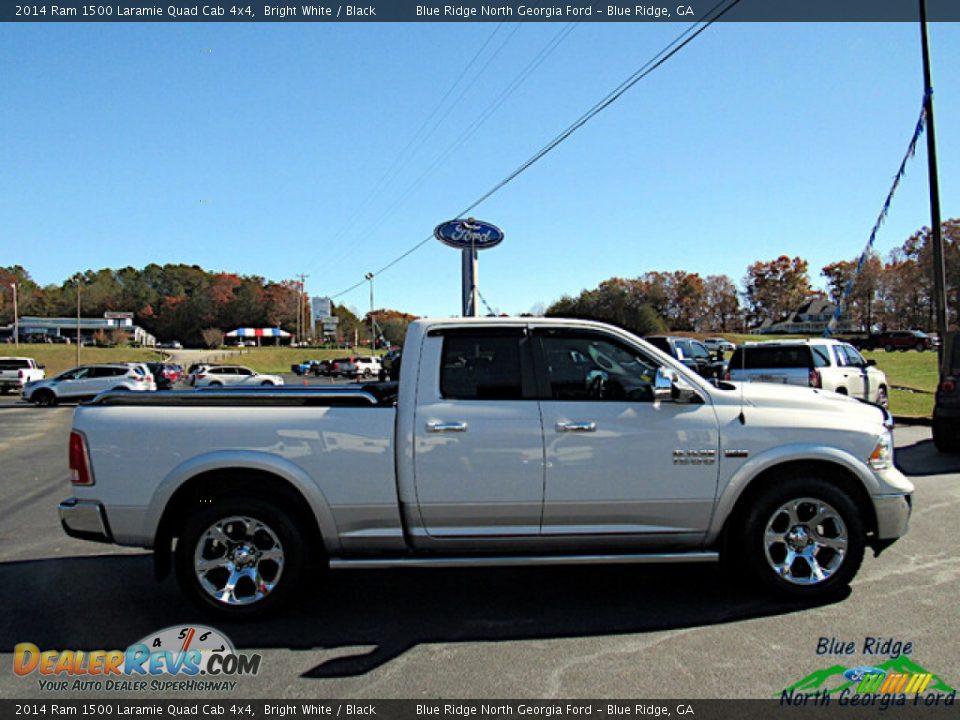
469 233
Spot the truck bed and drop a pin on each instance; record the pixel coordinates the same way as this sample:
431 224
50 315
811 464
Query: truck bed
335 444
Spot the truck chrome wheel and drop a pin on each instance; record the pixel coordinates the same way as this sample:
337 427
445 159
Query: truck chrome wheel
238 560
805 541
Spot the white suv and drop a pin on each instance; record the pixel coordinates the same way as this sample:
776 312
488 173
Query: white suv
817 362
87 381
368 366
220 375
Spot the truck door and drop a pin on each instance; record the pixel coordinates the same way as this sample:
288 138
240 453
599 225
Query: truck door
620 463
478 441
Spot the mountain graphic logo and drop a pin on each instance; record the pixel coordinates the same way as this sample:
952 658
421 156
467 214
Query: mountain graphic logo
837 678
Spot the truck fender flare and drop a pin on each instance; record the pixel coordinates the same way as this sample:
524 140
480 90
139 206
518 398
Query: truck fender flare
744 477
224 460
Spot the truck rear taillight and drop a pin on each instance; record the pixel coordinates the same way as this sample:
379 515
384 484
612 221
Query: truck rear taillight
19 374
727 376
80 472
948 387
814 379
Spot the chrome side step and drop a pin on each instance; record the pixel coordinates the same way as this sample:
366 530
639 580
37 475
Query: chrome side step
519 560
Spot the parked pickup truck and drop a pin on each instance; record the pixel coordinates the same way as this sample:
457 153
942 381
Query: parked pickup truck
15 372
506 442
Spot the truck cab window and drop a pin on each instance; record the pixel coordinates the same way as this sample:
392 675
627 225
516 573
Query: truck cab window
588 366
481 368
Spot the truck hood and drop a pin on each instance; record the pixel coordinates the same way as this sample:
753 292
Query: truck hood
792 397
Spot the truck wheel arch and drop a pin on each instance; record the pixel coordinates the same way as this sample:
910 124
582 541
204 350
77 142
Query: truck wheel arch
844 478
239 480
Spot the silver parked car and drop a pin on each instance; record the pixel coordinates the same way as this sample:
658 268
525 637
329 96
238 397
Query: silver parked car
87 381
223 375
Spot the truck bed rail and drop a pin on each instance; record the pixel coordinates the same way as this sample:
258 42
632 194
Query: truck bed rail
323 397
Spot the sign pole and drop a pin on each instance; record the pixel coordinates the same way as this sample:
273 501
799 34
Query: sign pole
939 274
468 285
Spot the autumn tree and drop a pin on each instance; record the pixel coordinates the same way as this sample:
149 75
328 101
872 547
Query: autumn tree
212 337
392 324
29 294
860 306
775 288
721 312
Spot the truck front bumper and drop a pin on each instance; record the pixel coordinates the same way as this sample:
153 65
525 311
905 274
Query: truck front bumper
893 515
85 520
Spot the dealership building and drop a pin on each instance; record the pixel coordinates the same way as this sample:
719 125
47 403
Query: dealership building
41 329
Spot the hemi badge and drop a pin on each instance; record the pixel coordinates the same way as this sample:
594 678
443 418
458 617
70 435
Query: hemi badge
736 453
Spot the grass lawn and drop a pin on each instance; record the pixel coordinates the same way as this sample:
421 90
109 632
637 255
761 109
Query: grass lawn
58 358
911 369
279 359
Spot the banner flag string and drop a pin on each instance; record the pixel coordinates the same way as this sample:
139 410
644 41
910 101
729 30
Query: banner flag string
911 151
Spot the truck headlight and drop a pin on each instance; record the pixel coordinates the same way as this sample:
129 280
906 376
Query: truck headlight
882 456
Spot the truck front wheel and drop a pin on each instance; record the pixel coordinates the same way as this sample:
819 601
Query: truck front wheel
240 557
804 538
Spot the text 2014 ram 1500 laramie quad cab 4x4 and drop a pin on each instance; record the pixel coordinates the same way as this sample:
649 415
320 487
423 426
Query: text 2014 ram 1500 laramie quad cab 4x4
506 441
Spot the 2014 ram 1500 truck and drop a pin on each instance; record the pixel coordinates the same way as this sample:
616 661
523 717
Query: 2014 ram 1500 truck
506 441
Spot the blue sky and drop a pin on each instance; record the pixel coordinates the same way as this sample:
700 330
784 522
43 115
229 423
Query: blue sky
265 149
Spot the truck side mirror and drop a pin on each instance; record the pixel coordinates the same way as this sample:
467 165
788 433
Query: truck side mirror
871 363
663 384
668 385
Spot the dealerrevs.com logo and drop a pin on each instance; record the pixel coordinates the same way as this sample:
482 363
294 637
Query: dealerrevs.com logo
188 658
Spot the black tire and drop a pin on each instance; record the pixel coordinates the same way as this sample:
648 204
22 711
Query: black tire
215 384
883 397
120 388
266 383
888 347
760 558
294 545
946 436
841 391
44 398
4 390
367 373
920 347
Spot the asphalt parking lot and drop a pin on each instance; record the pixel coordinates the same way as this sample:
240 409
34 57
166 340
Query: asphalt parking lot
619 631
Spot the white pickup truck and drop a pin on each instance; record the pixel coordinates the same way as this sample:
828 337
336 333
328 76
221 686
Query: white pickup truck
506 442
15 372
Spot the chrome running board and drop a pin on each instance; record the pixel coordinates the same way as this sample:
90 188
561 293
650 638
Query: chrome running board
519 560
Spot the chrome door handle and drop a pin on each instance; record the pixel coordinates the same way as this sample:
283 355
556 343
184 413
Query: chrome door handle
576 427
447 426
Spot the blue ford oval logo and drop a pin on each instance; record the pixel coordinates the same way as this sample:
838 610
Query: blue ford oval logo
469 233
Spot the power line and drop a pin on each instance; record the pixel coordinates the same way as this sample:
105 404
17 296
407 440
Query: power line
478 122
671 49
416 141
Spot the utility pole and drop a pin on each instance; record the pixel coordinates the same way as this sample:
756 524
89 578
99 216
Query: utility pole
16 318
78 319
301 316
373 337
939 272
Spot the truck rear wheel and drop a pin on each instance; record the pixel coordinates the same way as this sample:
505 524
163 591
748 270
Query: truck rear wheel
946 436
241 557
803 539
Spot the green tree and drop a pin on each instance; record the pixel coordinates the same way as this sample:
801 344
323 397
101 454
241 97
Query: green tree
615 301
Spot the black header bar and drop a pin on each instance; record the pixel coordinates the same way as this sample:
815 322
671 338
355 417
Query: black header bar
687 11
